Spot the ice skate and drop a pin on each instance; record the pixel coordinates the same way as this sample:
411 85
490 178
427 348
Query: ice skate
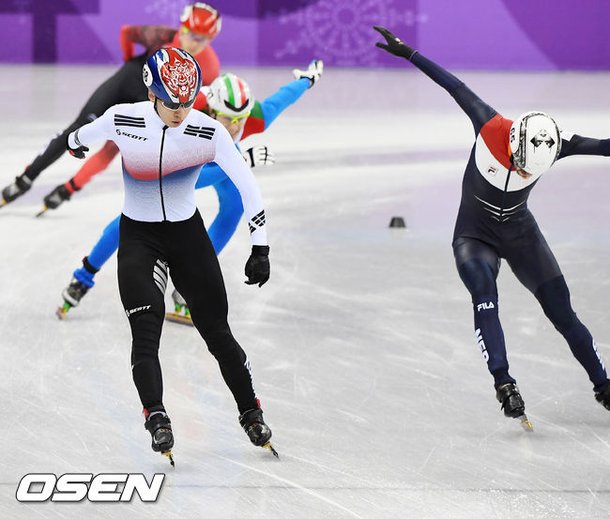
15 190
62 311
257 430
512 404
42 211
159 426
72 295
181 313
603 397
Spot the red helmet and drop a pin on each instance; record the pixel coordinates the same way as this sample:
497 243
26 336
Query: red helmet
201 18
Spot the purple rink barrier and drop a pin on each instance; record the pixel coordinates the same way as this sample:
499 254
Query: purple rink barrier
469 34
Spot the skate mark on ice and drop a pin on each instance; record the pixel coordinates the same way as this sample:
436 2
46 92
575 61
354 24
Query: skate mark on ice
606 444
574 435
293 485
326 468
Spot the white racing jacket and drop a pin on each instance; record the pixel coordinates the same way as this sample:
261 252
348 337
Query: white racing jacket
161 164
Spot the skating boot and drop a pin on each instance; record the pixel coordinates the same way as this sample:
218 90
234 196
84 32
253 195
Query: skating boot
603 397
72 295
512 404
55 198
159 426
181 313
15 190
257 430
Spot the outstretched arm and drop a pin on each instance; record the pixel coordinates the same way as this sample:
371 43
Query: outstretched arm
475 108
267 111
572 144
81 139
277 102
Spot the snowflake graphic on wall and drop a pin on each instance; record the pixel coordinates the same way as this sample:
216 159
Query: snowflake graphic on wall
342 29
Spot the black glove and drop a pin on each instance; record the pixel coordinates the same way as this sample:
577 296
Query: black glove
56 197
257 266
395 45
79 152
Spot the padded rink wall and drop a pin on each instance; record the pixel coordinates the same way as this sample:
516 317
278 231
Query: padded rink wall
464 34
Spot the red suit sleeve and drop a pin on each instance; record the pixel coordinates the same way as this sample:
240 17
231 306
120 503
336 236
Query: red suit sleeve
151 37
126 39
209 64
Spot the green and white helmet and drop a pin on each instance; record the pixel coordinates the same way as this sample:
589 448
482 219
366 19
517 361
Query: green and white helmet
230 95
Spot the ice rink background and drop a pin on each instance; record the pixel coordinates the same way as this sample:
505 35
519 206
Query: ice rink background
362 342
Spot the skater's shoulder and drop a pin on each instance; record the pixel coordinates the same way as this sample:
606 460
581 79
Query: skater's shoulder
141 109
138 115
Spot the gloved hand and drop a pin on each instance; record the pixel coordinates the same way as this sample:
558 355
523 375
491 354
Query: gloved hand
258 156
257 267
395 45
56 197
313 72
78 152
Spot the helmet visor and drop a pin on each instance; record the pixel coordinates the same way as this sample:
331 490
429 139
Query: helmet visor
174 107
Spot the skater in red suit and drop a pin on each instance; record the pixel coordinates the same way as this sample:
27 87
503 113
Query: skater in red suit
200 23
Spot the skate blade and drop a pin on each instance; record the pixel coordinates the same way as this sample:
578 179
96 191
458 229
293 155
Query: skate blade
3 202
62 311
270 447
168 455
526 424
177 318
43 211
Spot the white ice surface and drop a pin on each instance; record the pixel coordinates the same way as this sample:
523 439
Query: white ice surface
361 344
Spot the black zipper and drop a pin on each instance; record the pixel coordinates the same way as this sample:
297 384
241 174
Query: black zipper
161 173
504 195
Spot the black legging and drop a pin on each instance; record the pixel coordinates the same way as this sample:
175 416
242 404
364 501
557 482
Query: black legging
533 263
125 86
146 250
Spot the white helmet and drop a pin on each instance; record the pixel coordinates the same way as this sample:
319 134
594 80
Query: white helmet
230 95
535 142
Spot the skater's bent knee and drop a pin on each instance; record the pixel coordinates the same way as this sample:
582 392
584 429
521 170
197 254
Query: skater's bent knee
220 341
217 337
479 278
